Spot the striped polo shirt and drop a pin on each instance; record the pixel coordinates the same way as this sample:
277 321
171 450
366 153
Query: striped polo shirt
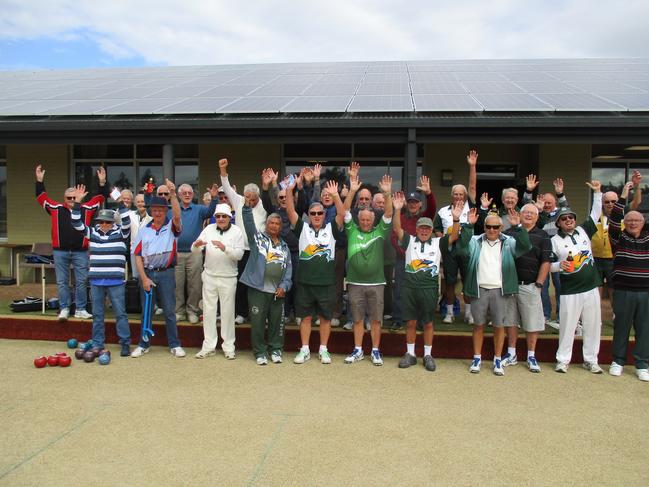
157 245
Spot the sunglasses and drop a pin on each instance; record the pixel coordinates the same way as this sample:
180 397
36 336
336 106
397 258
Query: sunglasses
492 227
316 213
222 197
281 197
612 202
69 197
221 216
163 194
566 217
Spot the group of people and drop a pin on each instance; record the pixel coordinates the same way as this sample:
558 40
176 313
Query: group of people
295 244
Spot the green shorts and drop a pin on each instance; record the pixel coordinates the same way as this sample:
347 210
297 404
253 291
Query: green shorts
452 266
419 303
604 269
318 300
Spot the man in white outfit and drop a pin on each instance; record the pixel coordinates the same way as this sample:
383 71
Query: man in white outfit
224 245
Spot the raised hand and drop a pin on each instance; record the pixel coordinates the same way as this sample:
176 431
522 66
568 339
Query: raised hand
398 200
332 188
80 193
344 191
223 164
101 175
485 201
540 202
636 178
299 179
385 185
456 210
317 169
308 175
424 185
558 185
531 182
40 173
472 158
354 169
595 185
214 190
171 186
513 217
354 184
625 190
472 217
266 178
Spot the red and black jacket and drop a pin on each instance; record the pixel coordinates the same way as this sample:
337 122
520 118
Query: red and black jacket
64 236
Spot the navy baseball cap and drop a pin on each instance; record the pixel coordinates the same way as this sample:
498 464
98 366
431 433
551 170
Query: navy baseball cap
158 201
413 196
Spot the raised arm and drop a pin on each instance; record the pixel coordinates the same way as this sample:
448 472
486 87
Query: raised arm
472 161
617 214
398 201
77 222
385 185
521 236
354 186
235 199
290 205
636 179
562 202
596 208
531 183
332 189
456 212
175 205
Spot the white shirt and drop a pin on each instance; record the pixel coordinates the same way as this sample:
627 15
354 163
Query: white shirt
219 263
490 266
446 216
237 201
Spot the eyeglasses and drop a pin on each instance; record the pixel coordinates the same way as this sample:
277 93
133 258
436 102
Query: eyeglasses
566 217
611 202
69 197
281 197
316 213
221 216
163 194
492 227
222 197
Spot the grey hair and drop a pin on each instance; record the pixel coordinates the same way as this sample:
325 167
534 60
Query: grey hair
207 193
272 216
369 210
530 205
252 187
185 185
494 215
316 203
508 190
456 186
128 191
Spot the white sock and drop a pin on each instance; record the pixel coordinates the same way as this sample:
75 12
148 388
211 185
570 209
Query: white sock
530 353
497 357
449 310
410 347
375 349
323 348
477 355
511 351
358 349
467 308
305 349
428 350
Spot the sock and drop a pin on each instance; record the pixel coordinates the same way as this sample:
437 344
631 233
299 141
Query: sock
530 353
375 349
467 308
410 347
323 348
477 355
497 357
428 350
511 351
358 349
449 310
305 349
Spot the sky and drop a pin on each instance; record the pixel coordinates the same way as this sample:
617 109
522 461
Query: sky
46 34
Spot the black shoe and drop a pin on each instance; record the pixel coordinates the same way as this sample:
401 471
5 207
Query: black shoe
429 363
396 326
407 360
125 351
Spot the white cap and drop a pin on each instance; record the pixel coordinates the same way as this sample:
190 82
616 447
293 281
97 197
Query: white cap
223 209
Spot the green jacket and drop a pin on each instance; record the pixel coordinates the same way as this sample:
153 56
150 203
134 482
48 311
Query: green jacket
512 248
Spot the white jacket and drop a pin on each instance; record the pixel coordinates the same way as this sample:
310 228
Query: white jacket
219 263
237 201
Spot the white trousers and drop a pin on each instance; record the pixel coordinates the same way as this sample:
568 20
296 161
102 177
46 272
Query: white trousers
573 307
215 290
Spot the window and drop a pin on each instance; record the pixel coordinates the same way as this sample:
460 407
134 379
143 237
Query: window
3 195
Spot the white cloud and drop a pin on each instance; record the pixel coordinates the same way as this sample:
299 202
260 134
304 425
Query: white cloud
185 32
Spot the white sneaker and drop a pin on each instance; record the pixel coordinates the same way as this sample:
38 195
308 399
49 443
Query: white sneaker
64 314
193 319
83 314
552 324
262 360
139 351
468 319
181 317
592 367
178 352
579 331
230 355
205 353
561 368
276 357
643 374
239 320
449 318
335 322
302 356
298 321
325 357
159 311
615 369
317 322
348 326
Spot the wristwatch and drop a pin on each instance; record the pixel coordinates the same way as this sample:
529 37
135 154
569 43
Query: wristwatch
538 284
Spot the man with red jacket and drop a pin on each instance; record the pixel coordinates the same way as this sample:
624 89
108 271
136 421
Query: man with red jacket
69 246
409 216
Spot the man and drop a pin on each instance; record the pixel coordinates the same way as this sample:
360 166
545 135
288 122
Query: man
107 249
251 197
69 246
602 251
389 255
526 309
268 277
491 279
365 277
509 199
139 217
155 258
631 286
454 264
579 282
223 245
316 273
189 264
419 294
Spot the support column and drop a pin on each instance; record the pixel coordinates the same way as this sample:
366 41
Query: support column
168 166
410 173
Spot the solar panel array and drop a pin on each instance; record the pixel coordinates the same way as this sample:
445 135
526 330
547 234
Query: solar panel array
545 85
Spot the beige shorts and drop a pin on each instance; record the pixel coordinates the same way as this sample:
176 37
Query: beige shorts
365 300
526 309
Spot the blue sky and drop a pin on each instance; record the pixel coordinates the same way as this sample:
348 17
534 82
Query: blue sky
86 33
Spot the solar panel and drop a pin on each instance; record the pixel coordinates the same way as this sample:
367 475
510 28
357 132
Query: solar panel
318 104
279 90
257 104
437 87
325 89
131 93
143 106
575 75
446 103
643 85
577 102
478 76
491 87
547 87
527 76
384 89
84 107
431 76
634 102
511 102
198 105
35 107
180 92
604 87
394 103
228 90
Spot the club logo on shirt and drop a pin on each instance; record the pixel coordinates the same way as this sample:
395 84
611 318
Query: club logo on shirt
419 265
273 256
315 250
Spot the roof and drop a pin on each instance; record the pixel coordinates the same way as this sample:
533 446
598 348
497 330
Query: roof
413 89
